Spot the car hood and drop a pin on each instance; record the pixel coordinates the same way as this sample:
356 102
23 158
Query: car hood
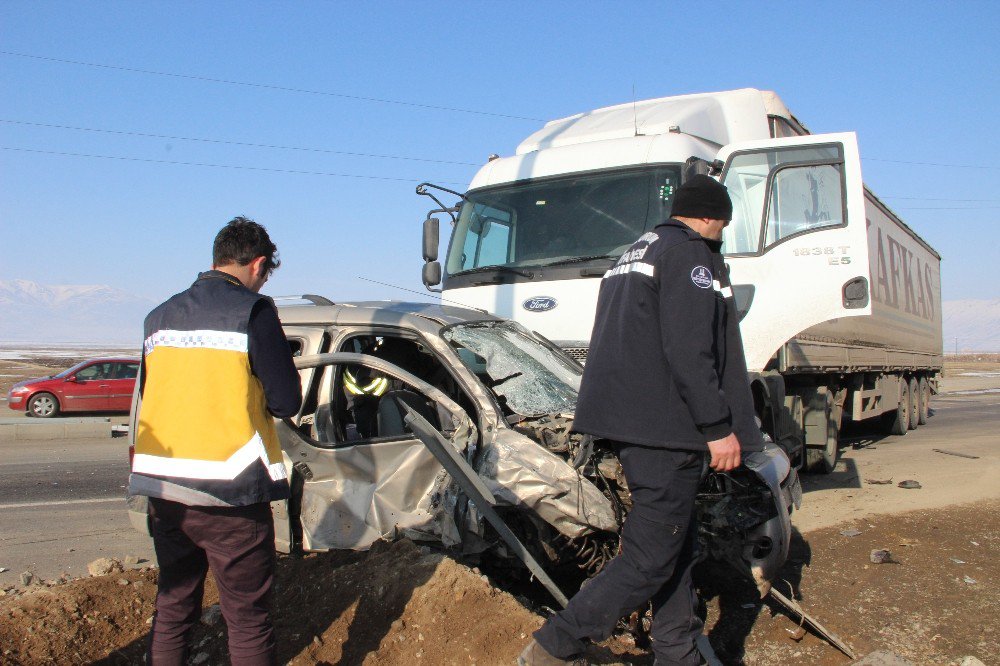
28 382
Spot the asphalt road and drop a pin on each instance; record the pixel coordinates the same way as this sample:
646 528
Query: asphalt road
59 472
62 506
966 423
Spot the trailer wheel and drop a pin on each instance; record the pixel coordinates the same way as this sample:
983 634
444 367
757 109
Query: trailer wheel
898 421
924 393
914 390
824 460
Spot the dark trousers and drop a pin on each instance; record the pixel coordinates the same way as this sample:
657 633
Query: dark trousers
654 564
238 544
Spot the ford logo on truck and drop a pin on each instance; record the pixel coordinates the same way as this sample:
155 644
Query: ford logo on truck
540 304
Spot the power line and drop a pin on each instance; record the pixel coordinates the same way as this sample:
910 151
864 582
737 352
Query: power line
424 294
222 166
233 143
306 91
933 199
935 164
949 208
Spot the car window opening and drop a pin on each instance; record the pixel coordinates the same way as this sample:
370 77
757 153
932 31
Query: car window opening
366 405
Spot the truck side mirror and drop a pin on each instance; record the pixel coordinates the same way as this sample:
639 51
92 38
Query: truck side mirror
432 273
431 238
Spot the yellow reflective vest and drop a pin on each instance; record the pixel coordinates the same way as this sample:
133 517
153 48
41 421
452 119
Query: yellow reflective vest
204 435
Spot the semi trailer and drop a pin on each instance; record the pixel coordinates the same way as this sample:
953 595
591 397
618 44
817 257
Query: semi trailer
839 299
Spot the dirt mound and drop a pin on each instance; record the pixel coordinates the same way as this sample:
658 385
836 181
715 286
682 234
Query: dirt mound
400 605
397 604
77 622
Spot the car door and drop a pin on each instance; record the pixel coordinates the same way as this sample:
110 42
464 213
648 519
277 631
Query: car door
352 485
88 389
121 384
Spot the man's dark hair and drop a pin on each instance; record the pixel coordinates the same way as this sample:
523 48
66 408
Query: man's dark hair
243 240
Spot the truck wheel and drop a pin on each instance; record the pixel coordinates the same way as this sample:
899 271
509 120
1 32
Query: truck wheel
924 391
914 403
824 460
898 421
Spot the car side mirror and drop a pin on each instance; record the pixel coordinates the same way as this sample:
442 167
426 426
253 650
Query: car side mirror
71 378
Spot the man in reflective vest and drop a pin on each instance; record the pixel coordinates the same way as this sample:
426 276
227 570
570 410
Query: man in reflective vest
216 369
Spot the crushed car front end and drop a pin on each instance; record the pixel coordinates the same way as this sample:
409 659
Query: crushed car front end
743 516
502 398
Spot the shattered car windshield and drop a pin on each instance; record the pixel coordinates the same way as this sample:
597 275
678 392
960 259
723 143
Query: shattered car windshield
528 377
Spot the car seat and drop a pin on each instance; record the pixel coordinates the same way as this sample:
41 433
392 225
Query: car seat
391 412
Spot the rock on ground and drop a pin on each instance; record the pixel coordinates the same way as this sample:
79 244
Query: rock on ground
103 566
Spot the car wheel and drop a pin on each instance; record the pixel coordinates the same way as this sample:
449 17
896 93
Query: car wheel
924 391
43 405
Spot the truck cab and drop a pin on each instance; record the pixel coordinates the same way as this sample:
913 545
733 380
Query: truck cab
536 231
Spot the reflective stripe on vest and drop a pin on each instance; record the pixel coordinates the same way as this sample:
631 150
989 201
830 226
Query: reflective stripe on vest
375 387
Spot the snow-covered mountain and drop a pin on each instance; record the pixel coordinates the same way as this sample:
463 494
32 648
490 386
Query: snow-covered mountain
98 314
974 323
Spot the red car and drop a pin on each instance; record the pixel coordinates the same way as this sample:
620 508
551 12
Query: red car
97 385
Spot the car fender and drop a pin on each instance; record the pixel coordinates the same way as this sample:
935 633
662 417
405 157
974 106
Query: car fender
522 473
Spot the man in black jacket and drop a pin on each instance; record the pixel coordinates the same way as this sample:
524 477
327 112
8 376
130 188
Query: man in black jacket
665 383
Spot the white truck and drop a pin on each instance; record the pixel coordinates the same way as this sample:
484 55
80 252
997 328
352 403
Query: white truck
839 300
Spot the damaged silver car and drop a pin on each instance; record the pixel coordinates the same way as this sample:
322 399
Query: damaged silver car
452 426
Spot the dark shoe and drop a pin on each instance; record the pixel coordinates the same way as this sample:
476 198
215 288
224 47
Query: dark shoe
536 655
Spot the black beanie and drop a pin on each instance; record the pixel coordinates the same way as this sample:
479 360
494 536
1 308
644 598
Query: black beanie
702 196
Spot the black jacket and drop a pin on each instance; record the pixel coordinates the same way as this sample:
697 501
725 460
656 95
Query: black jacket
666 366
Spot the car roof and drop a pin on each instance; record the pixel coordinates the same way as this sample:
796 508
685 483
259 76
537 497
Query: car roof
428 317
106 359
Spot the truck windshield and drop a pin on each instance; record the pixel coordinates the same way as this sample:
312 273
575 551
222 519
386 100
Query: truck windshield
527 377
550 221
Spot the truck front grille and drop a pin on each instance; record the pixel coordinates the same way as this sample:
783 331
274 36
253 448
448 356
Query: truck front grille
579 353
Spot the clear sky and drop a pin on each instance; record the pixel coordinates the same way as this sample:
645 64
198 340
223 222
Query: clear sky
918 81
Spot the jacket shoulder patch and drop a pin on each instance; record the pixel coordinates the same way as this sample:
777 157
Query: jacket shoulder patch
701 277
